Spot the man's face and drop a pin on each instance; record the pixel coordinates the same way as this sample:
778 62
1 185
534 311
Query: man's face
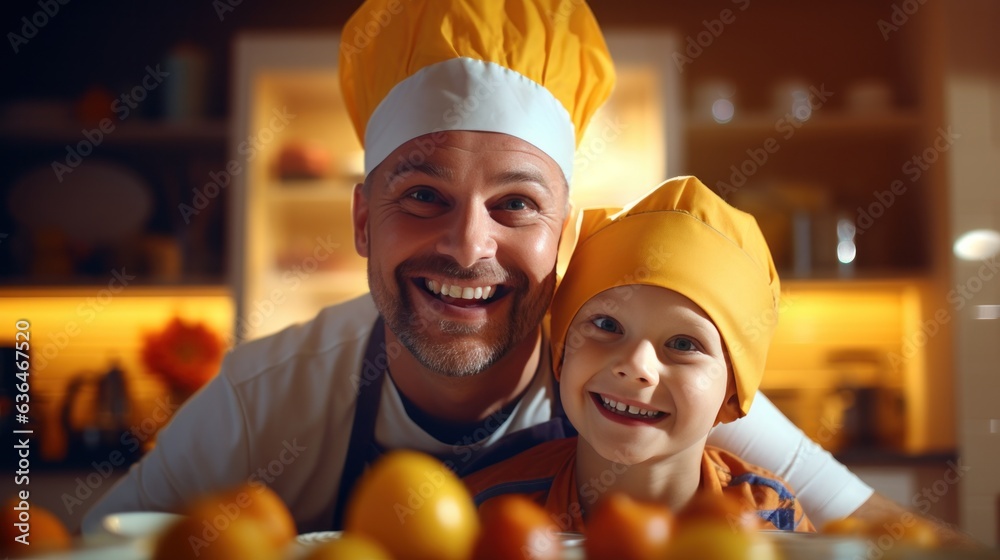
475 215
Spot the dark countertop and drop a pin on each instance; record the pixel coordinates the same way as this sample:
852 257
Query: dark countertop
891 457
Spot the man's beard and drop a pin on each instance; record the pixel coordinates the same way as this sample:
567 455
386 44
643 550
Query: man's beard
473 349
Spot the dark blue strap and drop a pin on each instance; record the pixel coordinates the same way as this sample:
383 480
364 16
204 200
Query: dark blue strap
557 427
517 442
361 449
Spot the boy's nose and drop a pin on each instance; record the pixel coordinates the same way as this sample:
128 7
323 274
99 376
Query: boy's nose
641 364
469 237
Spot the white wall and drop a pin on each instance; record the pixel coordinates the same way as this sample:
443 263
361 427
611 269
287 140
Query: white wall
972 104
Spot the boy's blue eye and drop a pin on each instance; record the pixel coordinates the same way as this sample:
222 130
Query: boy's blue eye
682 344
606 324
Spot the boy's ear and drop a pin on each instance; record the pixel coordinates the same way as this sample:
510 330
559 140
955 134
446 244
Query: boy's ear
730 409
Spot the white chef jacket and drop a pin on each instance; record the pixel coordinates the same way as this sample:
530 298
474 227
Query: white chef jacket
281 408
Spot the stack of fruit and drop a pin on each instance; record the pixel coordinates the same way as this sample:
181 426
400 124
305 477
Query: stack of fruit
409 506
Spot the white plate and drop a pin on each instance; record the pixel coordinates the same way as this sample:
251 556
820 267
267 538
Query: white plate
572 543
816 546
138 524
122 550
310 539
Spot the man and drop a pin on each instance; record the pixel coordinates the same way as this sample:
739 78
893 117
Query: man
469 113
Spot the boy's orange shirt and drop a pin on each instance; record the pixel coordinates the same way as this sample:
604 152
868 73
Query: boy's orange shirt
547 474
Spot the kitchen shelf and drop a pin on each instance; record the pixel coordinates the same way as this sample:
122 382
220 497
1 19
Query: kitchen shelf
171 158
81 289
881 456
325 282
820 124
311 191
856 277
132 131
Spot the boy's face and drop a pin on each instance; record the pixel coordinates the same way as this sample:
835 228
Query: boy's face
653 351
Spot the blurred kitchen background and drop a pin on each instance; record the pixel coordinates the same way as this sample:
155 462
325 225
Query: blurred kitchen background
176 177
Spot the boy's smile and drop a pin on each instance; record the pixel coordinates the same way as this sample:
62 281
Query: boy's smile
620 410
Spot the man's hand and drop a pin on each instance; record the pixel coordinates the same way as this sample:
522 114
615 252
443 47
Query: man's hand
879 510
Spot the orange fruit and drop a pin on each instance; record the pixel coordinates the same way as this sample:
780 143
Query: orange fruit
193 538
718 541
846 526
515 527
922 535
249 521
45 532
415 507
886 532
906 529
626 529
254 501
717 508
354 547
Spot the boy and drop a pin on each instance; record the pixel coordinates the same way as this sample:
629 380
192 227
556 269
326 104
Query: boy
652 344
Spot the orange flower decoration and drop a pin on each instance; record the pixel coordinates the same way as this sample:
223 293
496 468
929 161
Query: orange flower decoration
184 355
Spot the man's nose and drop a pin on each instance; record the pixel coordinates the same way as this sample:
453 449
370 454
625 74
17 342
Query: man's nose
470 236
640 363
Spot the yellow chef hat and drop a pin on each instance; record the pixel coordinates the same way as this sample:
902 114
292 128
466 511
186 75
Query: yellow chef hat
533 69
684 237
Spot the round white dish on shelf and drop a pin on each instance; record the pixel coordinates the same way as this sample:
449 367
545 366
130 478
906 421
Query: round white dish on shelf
94 202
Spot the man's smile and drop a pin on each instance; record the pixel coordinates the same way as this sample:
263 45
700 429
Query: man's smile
462 294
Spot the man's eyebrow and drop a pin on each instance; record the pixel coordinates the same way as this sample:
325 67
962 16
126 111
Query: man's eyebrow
520 176
426 168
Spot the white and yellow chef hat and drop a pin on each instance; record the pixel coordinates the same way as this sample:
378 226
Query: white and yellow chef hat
684 237
533 69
